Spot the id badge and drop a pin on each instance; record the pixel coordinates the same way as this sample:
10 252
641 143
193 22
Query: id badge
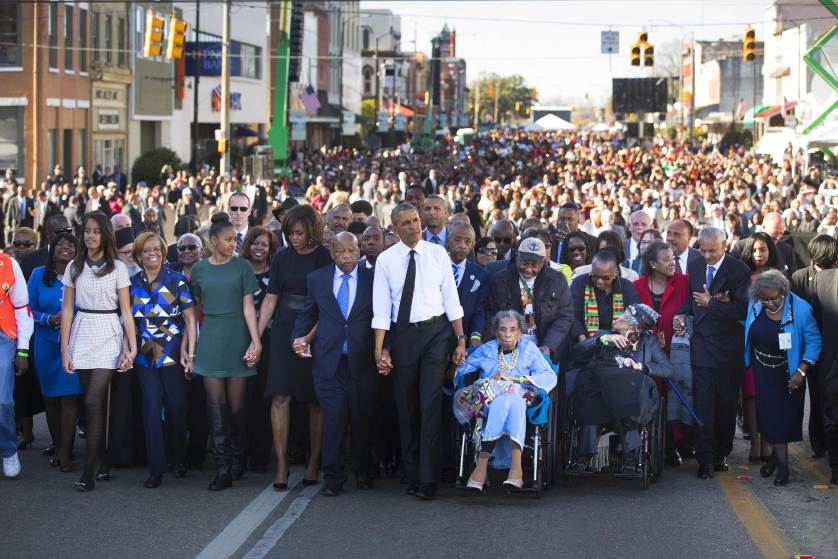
785 340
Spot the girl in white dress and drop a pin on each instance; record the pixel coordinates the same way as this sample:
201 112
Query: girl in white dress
96 290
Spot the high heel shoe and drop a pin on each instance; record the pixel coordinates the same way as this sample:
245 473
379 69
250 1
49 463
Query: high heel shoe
54 462
282 486
767 469
308 482
103 476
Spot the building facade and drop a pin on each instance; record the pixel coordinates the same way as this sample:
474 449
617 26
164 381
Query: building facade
45 98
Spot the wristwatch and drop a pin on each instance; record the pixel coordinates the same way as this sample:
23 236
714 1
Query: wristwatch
459 338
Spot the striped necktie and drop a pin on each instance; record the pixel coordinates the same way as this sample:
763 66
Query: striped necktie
343 302
456 270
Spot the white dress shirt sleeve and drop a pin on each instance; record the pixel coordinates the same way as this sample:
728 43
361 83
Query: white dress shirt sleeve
19 297
381 298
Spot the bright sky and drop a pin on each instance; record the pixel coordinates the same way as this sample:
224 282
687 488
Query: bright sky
555 44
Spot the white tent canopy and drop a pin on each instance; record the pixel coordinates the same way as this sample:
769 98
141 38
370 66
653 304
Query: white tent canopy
551 122
826 138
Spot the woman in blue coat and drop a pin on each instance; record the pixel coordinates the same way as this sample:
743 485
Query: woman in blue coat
60 390
782 344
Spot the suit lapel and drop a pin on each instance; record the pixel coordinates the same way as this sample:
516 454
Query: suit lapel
362 297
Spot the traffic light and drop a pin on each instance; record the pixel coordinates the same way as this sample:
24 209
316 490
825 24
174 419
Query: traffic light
517 106
492 90
643 37
222 145
749 46
648 55
177 37
635 54
153 41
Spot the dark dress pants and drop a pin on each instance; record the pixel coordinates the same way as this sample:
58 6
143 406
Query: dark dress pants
716 393
346 401
817 437
164 392
420 356
196 421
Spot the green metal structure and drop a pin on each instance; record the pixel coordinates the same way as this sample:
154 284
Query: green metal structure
278 133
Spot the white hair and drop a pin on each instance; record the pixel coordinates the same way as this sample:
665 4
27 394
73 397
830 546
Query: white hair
712 234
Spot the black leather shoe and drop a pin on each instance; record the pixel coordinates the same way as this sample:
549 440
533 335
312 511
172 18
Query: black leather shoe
48 451
331 491
85 486
280 487
426 491
221 481
721 465
411 489
686 452
363 482
782 478
767 469
153 481
705 471
180 470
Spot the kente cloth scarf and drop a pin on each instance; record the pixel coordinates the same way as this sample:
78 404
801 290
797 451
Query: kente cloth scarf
592 312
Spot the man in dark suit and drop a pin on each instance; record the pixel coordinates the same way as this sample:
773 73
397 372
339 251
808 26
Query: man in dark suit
718 302
775 226
471 279
339 302
826 372
54 225
678 235
19 212
431 185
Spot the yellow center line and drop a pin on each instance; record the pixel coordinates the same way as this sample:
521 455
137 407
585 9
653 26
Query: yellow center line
763 529
817 469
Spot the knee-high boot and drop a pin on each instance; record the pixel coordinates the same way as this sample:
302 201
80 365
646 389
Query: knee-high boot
219 426
238 442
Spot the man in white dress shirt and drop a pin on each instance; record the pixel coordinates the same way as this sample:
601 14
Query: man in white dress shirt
415 303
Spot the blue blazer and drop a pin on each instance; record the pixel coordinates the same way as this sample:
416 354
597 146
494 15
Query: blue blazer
473 290
44 301
799 321
333 330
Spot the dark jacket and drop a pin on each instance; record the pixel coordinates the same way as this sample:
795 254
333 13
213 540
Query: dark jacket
473 290
826 313
552 305
333 330
648 352
717 332
787 260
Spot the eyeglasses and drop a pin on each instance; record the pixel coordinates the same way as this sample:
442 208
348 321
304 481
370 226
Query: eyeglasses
597 277
23 244
65 230
239 208
576 249
491 251
185 248
502 240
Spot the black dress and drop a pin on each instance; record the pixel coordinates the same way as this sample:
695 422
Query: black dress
779 414
289 375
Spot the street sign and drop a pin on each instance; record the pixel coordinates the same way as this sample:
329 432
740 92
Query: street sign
610 42
383 124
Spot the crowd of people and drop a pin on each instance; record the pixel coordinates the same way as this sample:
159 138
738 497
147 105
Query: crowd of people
329 313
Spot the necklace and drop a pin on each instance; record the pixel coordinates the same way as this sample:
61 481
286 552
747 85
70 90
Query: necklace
505 366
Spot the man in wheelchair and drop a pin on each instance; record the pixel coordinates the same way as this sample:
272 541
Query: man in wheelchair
613 386
512 374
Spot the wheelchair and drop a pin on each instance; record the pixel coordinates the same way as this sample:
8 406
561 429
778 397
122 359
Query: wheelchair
538 455
650 458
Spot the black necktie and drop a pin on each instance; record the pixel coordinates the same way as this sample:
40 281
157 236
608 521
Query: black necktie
239 242
407 292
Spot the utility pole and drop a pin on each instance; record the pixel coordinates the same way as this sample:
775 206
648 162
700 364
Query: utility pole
497 87
196 64
692 87
36 98
224 166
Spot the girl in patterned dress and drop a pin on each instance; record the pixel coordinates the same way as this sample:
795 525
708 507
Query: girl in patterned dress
96 285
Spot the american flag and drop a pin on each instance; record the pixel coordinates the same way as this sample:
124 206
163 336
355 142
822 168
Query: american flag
740 109
310 100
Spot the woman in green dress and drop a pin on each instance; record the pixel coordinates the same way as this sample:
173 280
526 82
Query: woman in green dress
228 346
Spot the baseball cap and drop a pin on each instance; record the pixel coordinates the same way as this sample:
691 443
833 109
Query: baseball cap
532 249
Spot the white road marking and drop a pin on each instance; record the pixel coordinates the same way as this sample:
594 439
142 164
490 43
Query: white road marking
239 529
273 534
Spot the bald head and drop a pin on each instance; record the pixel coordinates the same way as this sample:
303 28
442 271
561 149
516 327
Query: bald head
774 225
503 233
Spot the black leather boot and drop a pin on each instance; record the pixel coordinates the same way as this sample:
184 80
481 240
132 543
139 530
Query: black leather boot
237 445
219 428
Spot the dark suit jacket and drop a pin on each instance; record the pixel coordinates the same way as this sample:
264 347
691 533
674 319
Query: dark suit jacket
787 261
34 259
717 333
826 312
473 290
428 185
321 308
493 268
552 306
577 293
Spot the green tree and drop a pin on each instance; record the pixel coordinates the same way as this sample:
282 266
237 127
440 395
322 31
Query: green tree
514 97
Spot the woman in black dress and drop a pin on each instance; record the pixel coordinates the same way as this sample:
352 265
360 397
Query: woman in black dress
782 345
259 247
290 376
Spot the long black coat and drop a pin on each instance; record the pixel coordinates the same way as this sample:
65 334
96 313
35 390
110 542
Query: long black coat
826 312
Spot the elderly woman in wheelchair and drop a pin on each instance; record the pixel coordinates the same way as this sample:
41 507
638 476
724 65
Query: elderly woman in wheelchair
610 389
512 374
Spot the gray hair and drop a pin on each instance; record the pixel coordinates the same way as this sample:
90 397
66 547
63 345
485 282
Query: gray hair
712 234
515 315
191 237
771 280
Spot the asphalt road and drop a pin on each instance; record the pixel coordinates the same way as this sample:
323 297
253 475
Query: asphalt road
598 517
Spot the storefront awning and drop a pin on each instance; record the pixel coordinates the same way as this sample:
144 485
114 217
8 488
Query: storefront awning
748 118
776 109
